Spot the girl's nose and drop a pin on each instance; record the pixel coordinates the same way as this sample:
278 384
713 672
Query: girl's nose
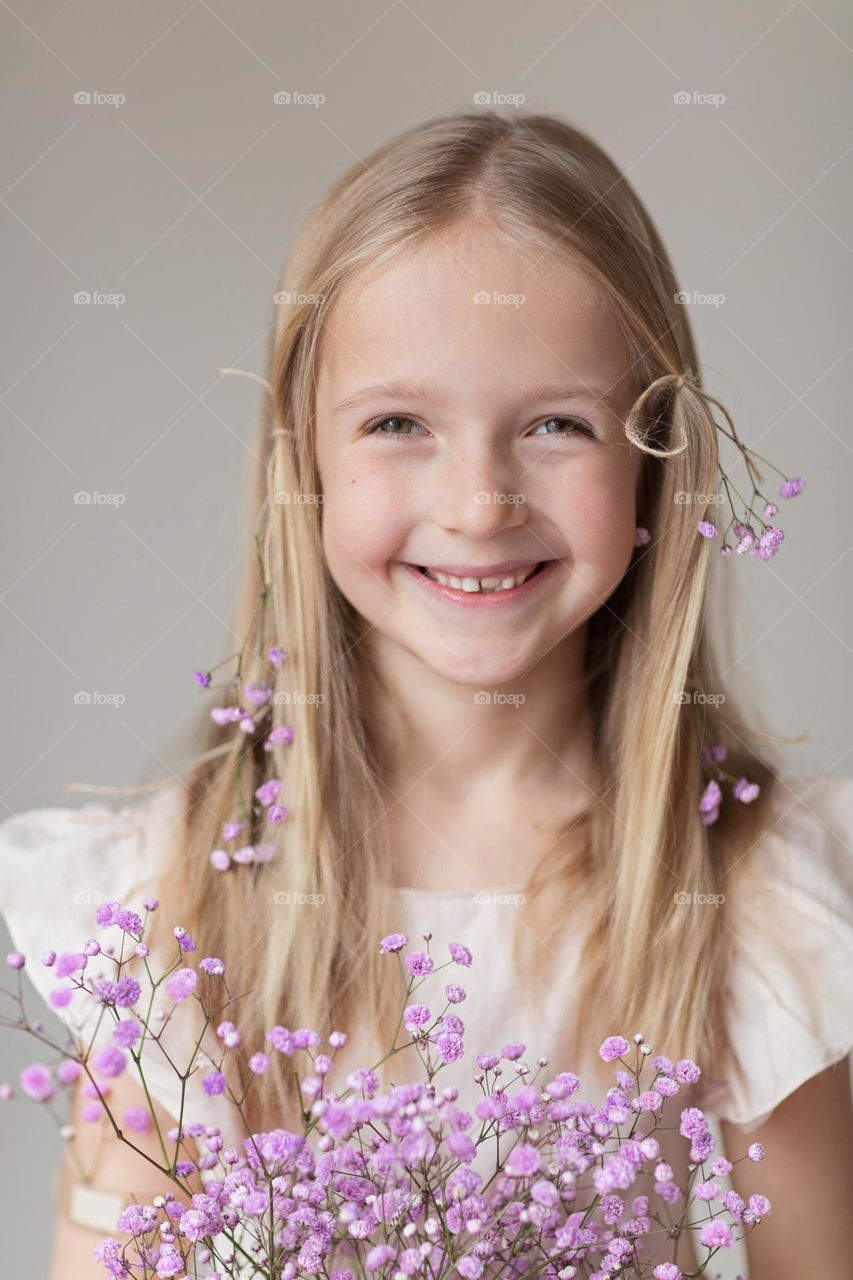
479 501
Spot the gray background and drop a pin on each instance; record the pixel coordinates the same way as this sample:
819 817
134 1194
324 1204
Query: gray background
185 199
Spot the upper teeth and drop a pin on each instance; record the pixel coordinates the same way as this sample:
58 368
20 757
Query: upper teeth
482 584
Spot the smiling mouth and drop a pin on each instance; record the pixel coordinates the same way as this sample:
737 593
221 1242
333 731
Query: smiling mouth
484 585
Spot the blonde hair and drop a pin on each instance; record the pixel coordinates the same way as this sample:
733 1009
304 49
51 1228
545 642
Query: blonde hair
649 964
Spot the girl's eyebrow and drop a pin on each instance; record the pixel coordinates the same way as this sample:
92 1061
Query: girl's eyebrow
412 391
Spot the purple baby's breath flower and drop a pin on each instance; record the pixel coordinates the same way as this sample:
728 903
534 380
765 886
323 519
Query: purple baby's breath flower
693 1123
214 1083
642 537
513 1051
231 830
454 993
418 963
185 942
212 965
759 1205
667 1271
69 962
257 694
755 1151
202 678
393 942
305 1037
686 1071
137 1119
16 959
461 1146
37 1082
460 954
378 1256
416 1015
276 655
613 1047
563 1085
711 797
69 1070
259 1063
106 912
128 921
487 1061
181 984
716 1235
449 1046
707 529
220 859
282 733
745 791
127 992
126 1033
523 1161
792 487
268 791
768 544
109 1061
282 1040
277 813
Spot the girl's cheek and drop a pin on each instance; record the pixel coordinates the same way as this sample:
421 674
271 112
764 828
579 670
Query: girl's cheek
366 519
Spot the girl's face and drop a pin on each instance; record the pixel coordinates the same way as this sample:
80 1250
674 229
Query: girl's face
497 441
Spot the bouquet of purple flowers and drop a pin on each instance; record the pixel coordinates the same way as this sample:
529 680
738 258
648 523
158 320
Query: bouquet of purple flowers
381 1185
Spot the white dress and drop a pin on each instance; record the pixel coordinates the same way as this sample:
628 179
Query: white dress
58 863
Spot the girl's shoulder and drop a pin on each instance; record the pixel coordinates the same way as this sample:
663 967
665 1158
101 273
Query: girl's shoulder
58 863
789 926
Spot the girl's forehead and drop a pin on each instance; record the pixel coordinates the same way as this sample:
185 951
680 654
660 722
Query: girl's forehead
480 308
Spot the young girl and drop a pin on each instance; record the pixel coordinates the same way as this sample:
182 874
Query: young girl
477 658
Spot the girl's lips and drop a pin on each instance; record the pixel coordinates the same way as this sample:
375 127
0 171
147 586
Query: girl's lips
482 599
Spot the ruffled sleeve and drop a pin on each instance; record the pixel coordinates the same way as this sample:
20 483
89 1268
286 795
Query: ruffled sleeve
790 990
57 864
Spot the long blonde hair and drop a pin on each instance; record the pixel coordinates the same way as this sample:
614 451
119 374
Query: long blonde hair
649 964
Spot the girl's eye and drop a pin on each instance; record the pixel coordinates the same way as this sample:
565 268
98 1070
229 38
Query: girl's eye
576 427
389 427
377 427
